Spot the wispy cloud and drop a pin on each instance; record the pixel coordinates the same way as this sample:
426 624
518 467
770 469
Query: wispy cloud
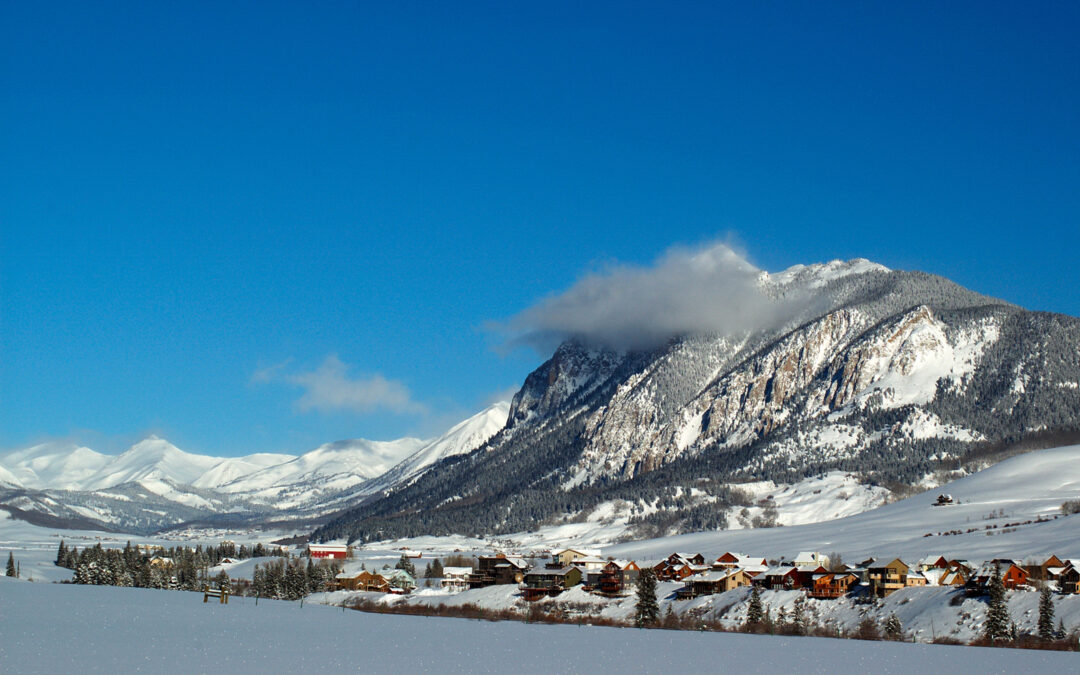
331 388
710 289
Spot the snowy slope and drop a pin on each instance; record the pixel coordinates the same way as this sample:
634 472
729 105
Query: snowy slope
152 458
1018 490
63 466
109 630
463 437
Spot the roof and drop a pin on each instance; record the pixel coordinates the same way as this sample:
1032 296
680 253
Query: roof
561 572
456 571
714 575
328 547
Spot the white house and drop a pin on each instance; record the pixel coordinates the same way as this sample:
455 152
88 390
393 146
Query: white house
456 579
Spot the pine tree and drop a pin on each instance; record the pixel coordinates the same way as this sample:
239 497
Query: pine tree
648 610
1046 614
61 554
1061 630
997 613
798 616
406 564
894 630
434 570
755 613
11 571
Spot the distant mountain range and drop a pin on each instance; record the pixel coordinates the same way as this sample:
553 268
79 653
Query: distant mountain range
155 485
896 378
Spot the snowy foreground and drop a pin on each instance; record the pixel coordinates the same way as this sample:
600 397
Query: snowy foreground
63 628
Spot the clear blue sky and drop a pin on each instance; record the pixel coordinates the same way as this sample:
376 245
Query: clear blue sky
268 226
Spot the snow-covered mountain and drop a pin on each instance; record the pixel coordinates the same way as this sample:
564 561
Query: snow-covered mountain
155 484
894 377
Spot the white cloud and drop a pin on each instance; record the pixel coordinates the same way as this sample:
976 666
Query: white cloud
329 388
711 289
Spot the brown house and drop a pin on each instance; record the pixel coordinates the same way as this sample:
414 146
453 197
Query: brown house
497 569
678 566
778 578
362 581
1069 579
712 582
1012 575
832 585
888 578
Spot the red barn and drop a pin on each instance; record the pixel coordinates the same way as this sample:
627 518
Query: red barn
340 551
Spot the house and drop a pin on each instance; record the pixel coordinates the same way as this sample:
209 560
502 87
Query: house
630 571
567 556
1012 575
456 579
161 562
730 559
914 578
678 566
783 578
804 576
497 569
887 578
933 562
1042 571
953 576
400 579
335 551
611 579
547 581
943 500
832 585
811 559
711 582
1069 577
362 580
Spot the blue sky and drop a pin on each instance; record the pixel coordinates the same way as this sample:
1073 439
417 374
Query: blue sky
267 226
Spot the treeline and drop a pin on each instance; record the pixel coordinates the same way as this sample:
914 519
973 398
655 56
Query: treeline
178 567
291 579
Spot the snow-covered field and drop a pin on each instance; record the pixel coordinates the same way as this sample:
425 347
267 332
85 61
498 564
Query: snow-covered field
50 628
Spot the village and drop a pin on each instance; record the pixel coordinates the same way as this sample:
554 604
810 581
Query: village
818 575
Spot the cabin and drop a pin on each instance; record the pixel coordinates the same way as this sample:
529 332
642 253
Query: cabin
333 551
611 580
362 581
456 579
811 559
711 582
888 578
492 570
831 585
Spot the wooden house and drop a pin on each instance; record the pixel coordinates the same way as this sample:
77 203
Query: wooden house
832 585
611 579
1042 571
362 581
547 581
566 556
914 578
783 578
400 579
933 562
711 582
1069 577
887 578
497 569
678 566
730 559
1012 575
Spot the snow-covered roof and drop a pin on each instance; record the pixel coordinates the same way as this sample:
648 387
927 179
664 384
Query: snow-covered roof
456 571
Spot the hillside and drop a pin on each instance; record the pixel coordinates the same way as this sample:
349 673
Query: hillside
894 377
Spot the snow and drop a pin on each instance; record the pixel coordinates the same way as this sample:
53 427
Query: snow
102 629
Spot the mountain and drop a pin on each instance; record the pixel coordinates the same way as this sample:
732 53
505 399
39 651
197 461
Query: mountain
154 484
895 377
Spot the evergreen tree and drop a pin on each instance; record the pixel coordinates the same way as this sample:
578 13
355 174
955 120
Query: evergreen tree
648 610
997 613
1061 630
1046 614
755 614
11 571
406 564
894 630
61 554
434 570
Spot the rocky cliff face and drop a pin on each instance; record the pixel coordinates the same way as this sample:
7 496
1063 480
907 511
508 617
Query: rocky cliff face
877 372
